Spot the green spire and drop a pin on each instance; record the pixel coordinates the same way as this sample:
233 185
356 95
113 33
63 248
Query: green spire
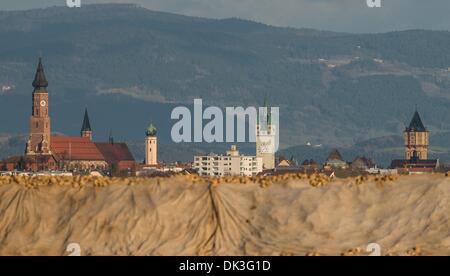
269 111
151 131
257 117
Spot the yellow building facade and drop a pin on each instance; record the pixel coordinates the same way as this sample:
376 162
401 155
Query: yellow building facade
416 138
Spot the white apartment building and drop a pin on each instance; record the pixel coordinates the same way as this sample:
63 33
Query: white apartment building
231 164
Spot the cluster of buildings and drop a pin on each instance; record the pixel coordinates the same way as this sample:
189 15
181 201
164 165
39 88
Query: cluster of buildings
235 164
53 153
416 161
228 165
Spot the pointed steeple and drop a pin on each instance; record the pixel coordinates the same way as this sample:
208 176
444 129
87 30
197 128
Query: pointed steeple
86 130
86 124
416 123
268 113
39 79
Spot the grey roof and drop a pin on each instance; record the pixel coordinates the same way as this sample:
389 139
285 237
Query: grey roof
39 79
86 124
416 124
362 161
335 155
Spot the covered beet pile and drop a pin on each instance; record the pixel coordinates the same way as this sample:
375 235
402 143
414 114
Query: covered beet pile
186 215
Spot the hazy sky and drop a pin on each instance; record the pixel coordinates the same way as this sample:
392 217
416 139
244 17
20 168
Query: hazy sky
336 15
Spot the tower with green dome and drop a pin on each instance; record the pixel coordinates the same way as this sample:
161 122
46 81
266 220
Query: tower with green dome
151 146
151 131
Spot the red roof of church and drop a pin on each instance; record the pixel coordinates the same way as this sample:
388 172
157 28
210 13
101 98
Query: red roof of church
75 148
115 152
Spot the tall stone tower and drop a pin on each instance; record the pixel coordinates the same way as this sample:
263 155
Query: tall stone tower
416 138
265 138
151 146
86 130
39 137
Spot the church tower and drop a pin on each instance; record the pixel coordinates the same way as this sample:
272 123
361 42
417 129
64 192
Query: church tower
86 130
416 138
39 137
151 146
265 138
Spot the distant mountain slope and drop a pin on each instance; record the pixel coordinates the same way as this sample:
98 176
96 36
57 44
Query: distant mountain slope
130 65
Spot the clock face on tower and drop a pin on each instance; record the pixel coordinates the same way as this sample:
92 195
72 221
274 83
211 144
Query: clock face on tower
265 146
43 103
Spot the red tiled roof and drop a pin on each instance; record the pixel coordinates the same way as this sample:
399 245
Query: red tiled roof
75 148
115 152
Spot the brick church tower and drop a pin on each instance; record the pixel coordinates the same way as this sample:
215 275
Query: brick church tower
416 138
39 138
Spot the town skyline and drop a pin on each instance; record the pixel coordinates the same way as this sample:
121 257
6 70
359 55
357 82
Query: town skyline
319 80
45 152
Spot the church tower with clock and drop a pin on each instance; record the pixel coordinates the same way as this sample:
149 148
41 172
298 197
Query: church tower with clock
265 138
39 138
